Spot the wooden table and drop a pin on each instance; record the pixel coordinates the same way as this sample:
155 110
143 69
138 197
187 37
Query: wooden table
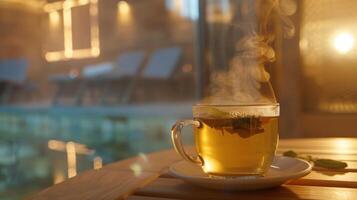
145 178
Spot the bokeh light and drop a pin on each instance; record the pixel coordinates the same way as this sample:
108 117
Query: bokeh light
344 42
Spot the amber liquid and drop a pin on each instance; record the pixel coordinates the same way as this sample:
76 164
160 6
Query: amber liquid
237 146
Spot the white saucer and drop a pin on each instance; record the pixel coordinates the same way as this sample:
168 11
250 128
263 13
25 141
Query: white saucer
282 170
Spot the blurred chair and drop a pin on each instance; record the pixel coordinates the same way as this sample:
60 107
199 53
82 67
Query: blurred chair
97 70
65 83
101 78
158 73
91 77
12 76
120 82
162 63
75 84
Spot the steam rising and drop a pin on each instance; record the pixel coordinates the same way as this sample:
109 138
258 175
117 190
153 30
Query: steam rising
247 81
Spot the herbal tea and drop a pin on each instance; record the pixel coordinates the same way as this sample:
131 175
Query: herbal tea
234 143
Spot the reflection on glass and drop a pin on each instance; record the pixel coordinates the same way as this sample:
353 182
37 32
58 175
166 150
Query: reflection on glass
71 159
72 149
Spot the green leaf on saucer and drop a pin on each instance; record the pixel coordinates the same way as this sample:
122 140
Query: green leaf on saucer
330 164
324 163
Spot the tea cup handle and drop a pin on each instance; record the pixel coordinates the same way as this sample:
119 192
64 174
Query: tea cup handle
177 143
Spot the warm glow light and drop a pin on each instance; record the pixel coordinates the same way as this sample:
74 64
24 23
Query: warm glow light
83 2
54 56
123 7
67 22
76 53
124 15
219 13
71 160
94 29
208 166
54 19
34 5
69 52
338 107
97 162
343 145
50 7
344 42
72 149
58 145
138 166
143 157
303 44
136 169
55 6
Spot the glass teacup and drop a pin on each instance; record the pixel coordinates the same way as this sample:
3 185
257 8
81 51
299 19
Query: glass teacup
231 140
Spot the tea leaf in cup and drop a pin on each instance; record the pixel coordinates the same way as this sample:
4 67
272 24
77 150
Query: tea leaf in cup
218 113
217 123
244 126
247 126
